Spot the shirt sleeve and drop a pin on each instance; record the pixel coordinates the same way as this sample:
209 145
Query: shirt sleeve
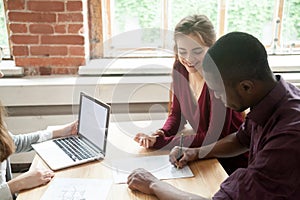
45 135
232 122
174 140
175 121
23 141
272 174
5 193
243 136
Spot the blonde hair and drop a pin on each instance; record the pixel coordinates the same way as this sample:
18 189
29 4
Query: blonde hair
198 25
7 146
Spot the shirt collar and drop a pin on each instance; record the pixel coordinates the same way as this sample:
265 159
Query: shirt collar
264 109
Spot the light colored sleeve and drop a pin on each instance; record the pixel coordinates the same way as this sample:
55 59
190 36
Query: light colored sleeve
45 135
5 192
23 142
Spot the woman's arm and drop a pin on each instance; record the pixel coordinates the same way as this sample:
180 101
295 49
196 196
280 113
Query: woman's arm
175 120
165 135
23 141
29 180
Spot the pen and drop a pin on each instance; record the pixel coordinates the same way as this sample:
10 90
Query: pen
179 155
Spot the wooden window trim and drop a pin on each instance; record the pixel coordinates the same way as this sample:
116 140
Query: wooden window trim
95 29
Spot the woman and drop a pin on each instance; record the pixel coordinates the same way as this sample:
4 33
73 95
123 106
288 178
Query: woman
10 144
192 103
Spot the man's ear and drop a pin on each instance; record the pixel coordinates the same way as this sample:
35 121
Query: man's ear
246 87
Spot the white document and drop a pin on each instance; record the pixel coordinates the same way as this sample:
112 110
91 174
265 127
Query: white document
159 166
77 189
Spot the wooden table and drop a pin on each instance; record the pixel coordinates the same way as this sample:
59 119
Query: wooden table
208 173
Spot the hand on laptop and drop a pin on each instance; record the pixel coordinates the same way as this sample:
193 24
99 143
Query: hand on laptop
30 179
65 130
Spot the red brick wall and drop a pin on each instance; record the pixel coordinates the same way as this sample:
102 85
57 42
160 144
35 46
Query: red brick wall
46 35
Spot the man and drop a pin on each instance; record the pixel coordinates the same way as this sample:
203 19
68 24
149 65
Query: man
237 71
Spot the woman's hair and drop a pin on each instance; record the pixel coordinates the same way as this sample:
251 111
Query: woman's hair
198 25
7 146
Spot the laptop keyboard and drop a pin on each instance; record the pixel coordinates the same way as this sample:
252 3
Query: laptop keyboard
75 148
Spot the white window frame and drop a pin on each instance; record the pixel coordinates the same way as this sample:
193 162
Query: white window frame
221 28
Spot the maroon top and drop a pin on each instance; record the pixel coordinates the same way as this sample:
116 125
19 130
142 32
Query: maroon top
272 132
208 127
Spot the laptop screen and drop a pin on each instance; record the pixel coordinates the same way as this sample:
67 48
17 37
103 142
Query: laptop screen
93 120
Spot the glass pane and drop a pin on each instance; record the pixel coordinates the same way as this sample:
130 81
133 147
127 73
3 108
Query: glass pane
3 36
252 16
290 37
180 9
136 24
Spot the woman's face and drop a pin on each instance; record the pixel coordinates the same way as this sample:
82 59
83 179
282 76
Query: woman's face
191 52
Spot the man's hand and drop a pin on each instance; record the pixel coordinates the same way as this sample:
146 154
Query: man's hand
189 154
141 180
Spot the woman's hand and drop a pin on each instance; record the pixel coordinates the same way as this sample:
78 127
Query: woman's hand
66 130
148 141
30 179
188 154
145 140
158 133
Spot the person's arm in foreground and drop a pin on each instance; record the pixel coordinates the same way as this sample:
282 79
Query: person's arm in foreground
145 182
30 179
34 177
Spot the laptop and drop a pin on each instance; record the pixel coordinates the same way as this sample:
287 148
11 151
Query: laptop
88 145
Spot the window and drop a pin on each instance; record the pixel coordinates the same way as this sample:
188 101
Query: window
132 27
135 27
4 44
291 26
244 16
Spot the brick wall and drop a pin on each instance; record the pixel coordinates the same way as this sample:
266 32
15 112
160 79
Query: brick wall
47 35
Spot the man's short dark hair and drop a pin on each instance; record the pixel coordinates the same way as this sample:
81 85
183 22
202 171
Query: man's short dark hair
238 56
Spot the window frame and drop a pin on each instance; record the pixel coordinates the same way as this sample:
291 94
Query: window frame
7 56
279 9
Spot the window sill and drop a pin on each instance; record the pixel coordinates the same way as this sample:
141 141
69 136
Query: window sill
64 90
284 63
9 69
127 66
147 66
151 66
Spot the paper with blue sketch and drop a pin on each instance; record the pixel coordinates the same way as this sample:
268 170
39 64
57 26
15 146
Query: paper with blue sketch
159 166
77 189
